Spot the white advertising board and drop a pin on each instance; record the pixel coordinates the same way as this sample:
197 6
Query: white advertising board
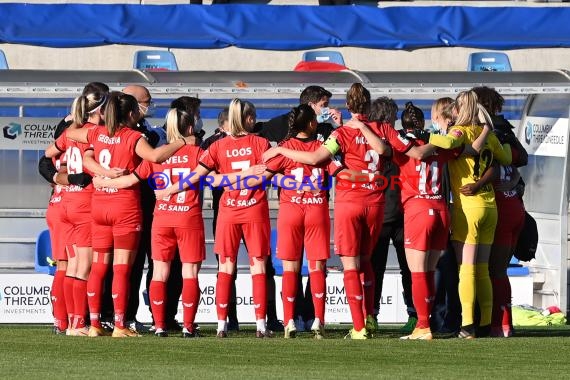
29 133
545 136
25 298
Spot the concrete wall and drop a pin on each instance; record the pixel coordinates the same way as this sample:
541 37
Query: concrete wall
120 57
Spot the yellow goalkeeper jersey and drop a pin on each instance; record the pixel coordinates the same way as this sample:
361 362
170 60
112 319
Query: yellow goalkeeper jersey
468 169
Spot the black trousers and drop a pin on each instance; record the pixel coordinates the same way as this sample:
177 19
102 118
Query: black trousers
269 271
173 285
392 231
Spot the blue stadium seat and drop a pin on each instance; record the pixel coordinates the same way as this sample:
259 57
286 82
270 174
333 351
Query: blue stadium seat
155 60
3 61
278 264
43 251
516 269
324 56
489 61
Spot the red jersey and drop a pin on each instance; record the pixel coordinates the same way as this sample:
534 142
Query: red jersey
73 153
305 174
178 210
506 197
233 154
422 179
116 152
58 190
358 155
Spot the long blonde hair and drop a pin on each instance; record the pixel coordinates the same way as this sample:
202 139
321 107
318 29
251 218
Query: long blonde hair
177 123
85 105
469 109
237 115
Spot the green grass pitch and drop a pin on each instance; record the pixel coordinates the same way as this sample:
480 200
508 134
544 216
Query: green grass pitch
32 352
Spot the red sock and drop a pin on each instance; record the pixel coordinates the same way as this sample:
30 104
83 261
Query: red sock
318 290
498 301
368 281
190 301
501 302
95 290
431 289
354 295
68 296
119 292
80 302
288 295
223 290
58 300
259 295
507 312
157 297
421 297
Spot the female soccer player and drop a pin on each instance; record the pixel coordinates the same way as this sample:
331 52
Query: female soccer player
177 223
76 205
117 214
510 213
358 206
303 221
58 234
474 218
243 212
426 220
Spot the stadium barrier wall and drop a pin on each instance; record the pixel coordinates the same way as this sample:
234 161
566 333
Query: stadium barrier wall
25 298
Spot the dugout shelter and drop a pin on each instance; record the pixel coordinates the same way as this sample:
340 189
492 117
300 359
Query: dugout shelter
538 103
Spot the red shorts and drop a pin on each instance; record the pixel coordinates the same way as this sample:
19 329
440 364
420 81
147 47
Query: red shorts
58 231
116 225
255 234
426 228
356 228
299 225
77 213
510 222
190 243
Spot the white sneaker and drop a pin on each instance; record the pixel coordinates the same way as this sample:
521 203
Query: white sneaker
160 333
300 324
318 329
290 330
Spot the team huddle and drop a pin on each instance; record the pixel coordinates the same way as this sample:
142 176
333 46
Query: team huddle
102 159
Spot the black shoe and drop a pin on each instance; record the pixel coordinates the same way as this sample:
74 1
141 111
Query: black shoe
109 326
467 332
161 333
264 334
275 325
233 325
483 331
190 334
173 326
222 334
58 331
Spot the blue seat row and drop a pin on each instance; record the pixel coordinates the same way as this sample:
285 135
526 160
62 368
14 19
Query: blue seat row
43 254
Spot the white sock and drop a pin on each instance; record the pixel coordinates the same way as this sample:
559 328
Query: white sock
260 323
222 326
316 324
